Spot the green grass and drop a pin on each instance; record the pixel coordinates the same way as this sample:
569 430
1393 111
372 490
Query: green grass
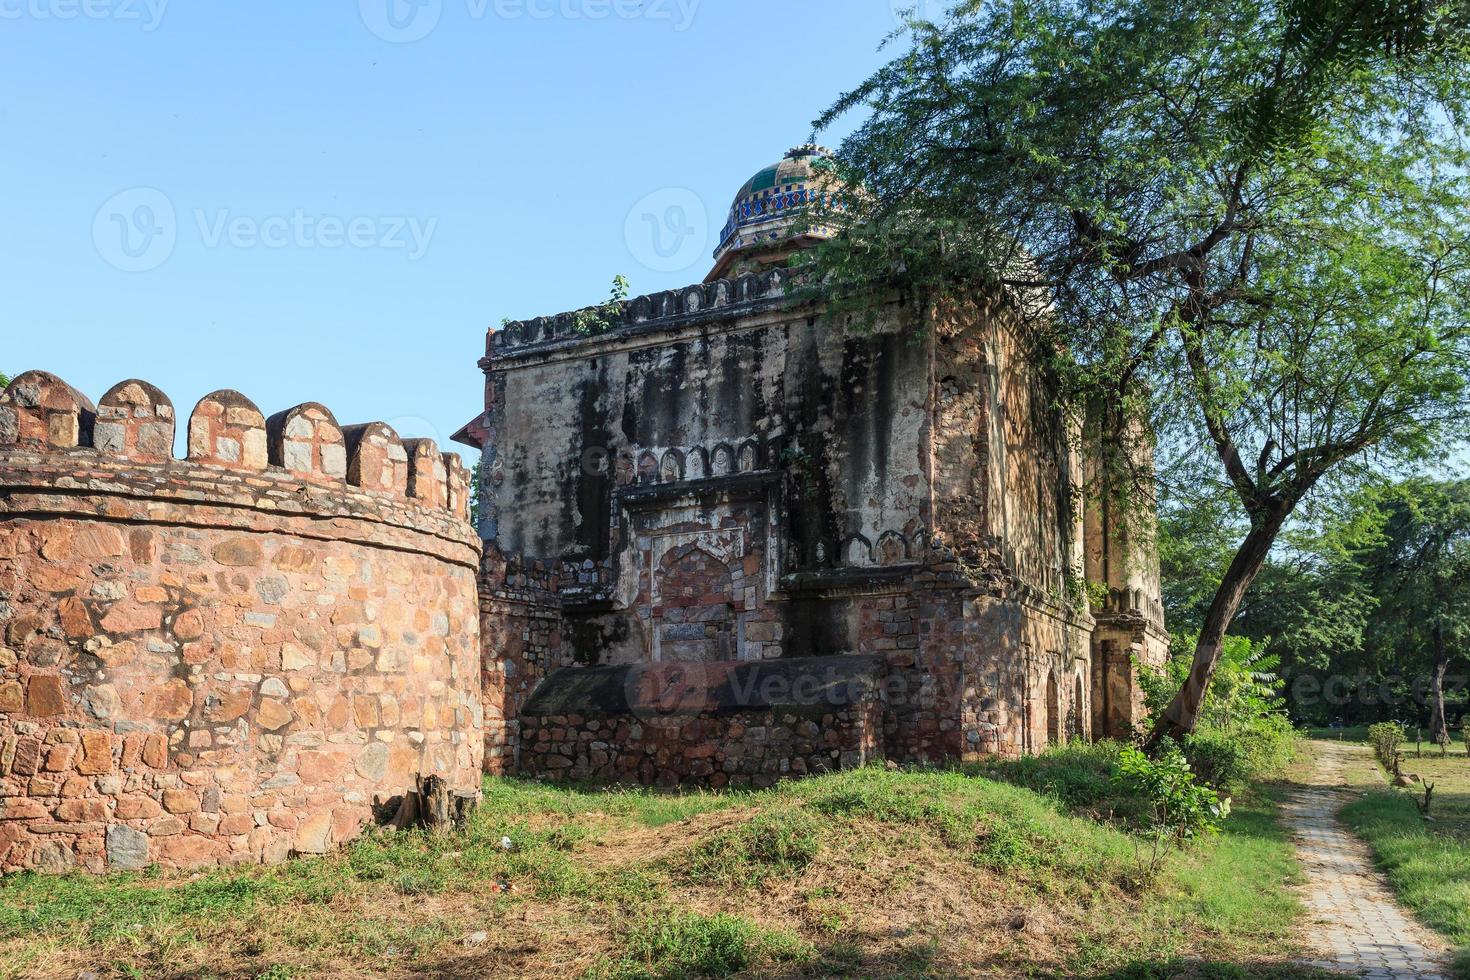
1430 872
694 945
868 873
1427 862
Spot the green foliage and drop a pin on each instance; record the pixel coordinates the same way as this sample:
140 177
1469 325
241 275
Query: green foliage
1182 809
4 380
475 490
1387 738
600 319
1079 775
1244 734
1244 689
1229 760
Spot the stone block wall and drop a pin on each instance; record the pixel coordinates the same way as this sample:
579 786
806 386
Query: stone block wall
235 657
743 750
710 725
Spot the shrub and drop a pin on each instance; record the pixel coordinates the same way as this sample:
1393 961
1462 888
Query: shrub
1228 759
1181 808
1079 776
1386 737
1217 759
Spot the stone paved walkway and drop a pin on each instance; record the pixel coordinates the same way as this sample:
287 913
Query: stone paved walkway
1356 925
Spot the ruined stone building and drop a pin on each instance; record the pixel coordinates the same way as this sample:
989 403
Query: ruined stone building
735 536
729 535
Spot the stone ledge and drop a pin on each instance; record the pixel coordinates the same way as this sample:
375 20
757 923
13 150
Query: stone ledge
78 483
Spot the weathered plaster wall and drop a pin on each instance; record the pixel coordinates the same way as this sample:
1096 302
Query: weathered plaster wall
1121 555
223 659
710 392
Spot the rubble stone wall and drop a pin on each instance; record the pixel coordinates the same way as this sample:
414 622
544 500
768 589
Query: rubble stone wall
246 654
742 750
709 725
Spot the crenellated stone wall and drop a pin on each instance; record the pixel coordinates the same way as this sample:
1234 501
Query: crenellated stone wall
233 657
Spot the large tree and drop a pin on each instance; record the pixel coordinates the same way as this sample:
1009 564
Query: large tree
1245 220
1420 571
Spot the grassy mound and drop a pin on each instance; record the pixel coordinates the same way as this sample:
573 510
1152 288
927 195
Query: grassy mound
870 873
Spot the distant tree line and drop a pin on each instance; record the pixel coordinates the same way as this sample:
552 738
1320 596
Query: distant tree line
1368 607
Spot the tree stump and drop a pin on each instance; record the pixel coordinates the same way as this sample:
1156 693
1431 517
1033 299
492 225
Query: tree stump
434 806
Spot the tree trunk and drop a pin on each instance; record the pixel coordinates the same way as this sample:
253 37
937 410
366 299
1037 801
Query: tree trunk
1439 729
1182 715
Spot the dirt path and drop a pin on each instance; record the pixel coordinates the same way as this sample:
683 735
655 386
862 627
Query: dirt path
1356 925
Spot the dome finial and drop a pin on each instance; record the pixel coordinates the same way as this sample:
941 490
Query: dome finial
766 220
808 150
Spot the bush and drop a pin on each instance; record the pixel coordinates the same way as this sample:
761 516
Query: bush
1217 759
1079 776
1386 737
1228 759
1181 808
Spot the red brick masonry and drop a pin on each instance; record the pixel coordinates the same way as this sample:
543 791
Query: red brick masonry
231 658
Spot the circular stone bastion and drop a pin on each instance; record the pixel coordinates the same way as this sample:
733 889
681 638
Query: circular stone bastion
250 653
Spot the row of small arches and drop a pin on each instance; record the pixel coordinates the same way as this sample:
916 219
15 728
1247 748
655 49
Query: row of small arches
135 421
641 309
694 463
891 548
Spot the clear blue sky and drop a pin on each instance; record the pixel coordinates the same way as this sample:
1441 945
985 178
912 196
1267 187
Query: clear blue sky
311 201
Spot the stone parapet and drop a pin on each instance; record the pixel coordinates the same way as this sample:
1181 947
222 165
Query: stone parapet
721 299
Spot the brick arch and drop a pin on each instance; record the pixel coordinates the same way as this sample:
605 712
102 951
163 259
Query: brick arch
698 619
1076 723
1053 709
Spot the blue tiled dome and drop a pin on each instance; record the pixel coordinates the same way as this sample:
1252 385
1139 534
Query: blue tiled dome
766 208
